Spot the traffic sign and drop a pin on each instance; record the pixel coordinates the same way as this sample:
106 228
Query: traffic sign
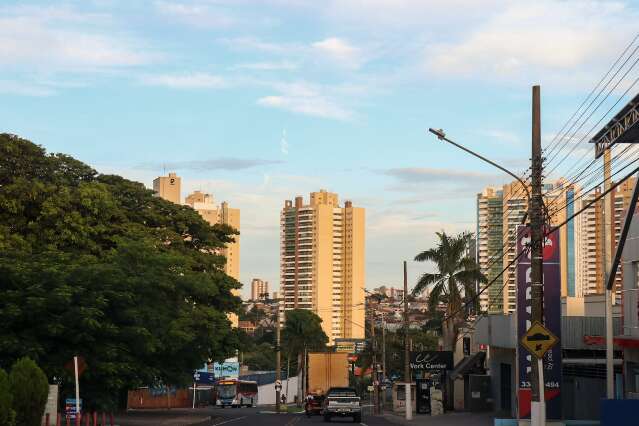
538 339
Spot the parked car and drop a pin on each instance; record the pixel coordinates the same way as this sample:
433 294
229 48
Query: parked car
313 404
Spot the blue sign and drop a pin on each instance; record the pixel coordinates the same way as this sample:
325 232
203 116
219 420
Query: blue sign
203 378
227 370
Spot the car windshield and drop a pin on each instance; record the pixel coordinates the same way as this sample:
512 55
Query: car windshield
342 393
226 391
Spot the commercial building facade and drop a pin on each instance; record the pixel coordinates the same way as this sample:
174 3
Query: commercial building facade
322 257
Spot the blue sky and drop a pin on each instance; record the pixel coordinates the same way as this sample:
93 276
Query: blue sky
260 101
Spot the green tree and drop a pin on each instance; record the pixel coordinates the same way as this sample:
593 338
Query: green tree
30 389
97 266
302 332
453 284
7 415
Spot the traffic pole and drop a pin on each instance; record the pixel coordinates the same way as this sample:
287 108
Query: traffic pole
77 386
538 406
278 367
407 377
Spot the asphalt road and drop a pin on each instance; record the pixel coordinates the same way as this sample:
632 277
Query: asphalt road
232 417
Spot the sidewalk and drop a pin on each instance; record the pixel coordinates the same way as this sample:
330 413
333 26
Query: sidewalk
173 417
448 419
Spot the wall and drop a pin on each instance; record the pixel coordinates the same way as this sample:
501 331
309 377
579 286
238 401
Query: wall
52 406
498 356
266 395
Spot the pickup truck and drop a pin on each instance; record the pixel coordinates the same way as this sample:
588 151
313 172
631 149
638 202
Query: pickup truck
342 402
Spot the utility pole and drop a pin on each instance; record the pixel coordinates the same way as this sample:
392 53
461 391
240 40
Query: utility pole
278 367
383 358
538 408
607 230
375 374
407 377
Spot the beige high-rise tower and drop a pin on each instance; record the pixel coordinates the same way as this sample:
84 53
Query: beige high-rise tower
259 289
203 203
168 187
322 258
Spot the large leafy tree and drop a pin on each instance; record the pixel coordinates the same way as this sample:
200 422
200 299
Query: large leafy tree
97 266
453 285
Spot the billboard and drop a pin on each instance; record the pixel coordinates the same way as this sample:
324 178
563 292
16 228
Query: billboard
226 370
552 320
431 360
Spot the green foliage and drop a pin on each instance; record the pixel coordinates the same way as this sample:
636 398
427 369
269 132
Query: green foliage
303 330
7 415
454 282
97 266
30 389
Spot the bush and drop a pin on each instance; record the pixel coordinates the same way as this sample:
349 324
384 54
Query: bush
30 389
7 415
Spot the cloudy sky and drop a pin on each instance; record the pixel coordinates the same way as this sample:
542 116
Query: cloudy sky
260 101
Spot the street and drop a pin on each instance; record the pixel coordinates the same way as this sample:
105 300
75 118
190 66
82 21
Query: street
237 417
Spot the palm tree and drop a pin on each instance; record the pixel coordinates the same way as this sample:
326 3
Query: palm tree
453 284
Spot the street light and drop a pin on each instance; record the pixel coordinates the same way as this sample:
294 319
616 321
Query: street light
441 135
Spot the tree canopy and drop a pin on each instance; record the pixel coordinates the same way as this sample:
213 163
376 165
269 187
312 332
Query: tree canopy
96 265
454 282
303 330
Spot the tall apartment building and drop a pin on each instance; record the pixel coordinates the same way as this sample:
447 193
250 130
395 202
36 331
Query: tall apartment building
489 235
589 269
259 289
204 204
322 262
499 213
168 187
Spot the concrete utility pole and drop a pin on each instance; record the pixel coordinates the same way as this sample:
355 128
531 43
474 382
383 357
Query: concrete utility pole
538 406
383 358
278 361
375 375
407 377
607 230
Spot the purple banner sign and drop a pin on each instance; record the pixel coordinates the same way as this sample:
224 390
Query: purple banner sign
552 320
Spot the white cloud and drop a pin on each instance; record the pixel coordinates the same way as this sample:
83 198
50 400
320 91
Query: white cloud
339 51
316 106
24 89
61 38
256 44
195 14
268 66
532 40
186 81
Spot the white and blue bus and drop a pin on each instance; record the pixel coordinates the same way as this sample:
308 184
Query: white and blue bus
236 393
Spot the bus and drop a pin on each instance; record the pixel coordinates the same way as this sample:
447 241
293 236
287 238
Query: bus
236 393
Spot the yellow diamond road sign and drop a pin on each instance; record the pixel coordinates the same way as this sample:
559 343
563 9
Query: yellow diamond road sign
538 339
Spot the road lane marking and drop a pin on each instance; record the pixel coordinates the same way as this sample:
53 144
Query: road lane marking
363 424
229 421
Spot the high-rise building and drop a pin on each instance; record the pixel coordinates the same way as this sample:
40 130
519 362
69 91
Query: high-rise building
259 289
204 204
588 271
322 262
489 234
499 213
168 187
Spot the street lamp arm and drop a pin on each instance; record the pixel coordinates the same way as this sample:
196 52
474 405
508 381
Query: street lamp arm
442 136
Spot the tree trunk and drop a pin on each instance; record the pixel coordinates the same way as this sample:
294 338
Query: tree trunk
449 335
300 379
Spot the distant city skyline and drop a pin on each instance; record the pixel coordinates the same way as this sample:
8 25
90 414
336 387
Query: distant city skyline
257 101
